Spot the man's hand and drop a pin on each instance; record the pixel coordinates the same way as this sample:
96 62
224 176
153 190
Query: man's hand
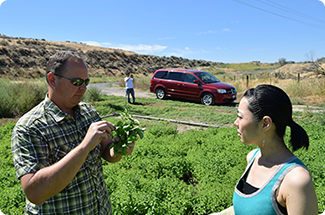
130 148
97 132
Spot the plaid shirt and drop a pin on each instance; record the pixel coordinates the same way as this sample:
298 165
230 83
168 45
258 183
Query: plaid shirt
45 135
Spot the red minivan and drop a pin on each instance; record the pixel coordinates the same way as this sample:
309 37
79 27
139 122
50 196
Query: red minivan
192 85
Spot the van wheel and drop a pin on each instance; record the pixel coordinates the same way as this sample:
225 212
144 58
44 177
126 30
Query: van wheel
207 99
160 93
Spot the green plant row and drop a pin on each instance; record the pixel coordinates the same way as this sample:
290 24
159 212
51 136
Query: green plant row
173 172
12 198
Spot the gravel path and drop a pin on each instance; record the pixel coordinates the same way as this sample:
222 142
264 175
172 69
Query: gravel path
112 89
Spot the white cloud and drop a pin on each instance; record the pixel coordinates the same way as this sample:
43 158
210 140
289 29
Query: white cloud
1 1
213 32
141 48
106 44
184 52
94 43
206 32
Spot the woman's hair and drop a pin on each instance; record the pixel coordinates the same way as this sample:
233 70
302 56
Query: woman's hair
269 100
57 62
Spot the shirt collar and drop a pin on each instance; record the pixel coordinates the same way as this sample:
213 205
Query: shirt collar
57 114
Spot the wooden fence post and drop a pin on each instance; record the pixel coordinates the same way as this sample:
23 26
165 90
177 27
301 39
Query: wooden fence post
298 77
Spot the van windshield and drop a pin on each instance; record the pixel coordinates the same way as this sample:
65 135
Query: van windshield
206 77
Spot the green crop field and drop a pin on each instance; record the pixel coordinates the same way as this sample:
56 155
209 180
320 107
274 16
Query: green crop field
175 169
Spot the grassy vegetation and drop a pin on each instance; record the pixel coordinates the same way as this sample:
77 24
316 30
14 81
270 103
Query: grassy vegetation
224 69
16 98
174 170
244 67
19 96
94 79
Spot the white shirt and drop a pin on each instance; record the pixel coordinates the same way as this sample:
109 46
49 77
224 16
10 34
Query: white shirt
129 83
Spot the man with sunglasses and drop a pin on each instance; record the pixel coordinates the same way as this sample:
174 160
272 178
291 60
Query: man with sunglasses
57 146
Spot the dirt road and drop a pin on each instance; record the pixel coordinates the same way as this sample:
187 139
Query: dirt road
113 89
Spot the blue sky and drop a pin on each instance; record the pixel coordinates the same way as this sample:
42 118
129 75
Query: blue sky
228 31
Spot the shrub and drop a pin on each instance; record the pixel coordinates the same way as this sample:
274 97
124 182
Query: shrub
18 98
4 43
92 94
3 60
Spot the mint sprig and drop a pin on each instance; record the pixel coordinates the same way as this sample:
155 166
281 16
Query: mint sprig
128 130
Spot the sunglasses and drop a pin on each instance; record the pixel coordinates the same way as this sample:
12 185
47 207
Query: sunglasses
75 81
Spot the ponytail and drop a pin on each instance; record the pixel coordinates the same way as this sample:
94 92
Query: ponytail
299 138
269 100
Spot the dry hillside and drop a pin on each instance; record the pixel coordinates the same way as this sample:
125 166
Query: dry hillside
306 70
22 57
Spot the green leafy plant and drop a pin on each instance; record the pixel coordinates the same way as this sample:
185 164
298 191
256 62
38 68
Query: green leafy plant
128 130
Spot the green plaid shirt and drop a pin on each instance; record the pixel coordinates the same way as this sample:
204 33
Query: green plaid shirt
46 134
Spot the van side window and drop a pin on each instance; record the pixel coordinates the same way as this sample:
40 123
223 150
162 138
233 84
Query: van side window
189 78
161 75
176 76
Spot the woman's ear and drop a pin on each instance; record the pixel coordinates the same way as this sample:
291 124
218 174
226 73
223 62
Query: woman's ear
267 123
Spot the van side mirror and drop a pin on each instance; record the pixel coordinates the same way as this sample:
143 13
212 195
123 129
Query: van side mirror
196 82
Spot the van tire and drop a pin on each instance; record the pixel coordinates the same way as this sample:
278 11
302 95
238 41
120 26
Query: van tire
160 93
207 99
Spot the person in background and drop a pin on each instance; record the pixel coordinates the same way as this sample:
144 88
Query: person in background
129 87
275 180
58 146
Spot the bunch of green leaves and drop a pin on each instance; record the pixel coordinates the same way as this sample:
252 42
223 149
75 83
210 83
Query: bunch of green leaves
128 130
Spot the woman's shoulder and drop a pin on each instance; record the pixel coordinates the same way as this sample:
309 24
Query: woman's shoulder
298 177
251 154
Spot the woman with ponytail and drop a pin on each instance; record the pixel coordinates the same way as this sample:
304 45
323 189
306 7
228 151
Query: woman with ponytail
275 180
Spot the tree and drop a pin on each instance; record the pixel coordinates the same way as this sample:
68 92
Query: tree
310 56
282 61
318 69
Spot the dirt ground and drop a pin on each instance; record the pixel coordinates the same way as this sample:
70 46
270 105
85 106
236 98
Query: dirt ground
118 91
